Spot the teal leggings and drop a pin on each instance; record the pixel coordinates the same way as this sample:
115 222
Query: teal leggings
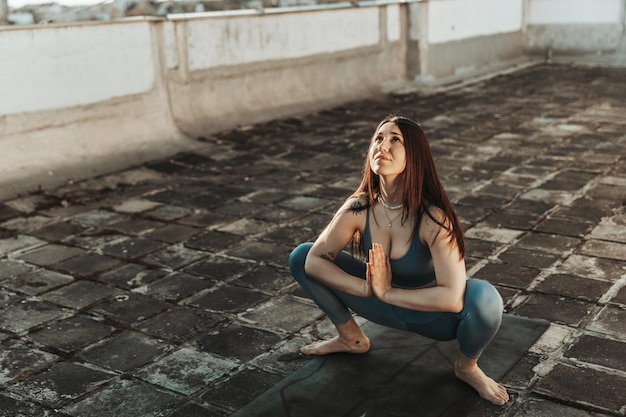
473 327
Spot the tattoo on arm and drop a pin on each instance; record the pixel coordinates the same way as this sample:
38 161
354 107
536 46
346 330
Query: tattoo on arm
357 207
330 256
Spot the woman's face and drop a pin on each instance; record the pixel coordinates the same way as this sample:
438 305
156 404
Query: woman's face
387 153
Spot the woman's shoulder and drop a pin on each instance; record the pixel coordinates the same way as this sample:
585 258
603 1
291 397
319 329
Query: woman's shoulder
356 204
434 214
353 210
433 219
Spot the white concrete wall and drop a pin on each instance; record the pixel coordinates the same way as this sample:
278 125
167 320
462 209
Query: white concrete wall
588 12
79 100
575 25
455 20
96 62
246 68
462 36
274 37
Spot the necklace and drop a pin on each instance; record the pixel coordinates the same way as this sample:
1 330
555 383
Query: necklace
389 218
387 206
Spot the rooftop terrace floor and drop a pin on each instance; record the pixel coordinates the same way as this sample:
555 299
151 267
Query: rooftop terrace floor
163 289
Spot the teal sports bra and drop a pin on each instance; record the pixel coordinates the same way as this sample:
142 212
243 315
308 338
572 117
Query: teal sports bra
413 269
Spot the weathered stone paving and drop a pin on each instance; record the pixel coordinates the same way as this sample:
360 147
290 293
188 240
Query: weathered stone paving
163 290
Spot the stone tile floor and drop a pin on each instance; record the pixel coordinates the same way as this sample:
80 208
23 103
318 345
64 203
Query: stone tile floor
163 290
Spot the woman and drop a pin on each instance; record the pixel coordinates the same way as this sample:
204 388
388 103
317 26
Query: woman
414 276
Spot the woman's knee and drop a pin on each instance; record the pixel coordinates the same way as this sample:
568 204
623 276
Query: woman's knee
482 298
297 257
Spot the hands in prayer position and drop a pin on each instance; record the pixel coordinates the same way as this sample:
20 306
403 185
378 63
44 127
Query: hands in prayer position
378 275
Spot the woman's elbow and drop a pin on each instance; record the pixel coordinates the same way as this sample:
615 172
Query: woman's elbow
310 264
454 303
456 306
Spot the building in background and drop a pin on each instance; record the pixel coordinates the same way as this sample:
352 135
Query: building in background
109 10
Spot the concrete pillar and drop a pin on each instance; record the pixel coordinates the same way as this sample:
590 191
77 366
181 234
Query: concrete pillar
4 12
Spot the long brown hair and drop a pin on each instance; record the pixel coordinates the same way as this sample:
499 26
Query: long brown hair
421 185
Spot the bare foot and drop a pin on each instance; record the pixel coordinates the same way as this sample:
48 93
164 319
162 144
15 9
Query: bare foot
487 388
337 344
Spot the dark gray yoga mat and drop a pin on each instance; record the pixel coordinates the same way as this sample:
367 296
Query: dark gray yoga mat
402 375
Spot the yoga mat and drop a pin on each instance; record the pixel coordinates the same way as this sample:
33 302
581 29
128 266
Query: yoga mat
403 374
